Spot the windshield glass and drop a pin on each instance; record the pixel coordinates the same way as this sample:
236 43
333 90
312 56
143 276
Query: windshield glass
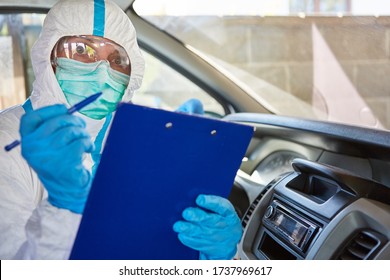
326 60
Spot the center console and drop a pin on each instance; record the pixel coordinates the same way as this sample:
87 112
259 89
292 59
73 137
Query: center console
296 209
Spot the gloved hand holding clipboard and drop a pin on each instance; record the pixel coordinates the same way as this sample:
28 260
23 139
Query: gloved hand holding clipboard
155 163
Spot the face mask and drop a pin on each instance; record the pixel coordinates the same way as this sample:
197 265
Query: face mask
79 80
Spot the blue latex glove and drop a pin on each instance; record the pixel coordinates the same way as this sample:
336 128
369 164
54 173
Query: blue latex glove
191 106
53 143
213 228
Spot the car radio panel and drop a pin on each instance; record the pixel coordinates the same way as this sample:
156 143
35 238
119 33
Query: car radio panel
289 227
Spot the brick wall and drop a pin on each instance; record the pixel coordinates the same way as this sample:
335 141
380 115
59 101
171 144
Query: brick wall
279 50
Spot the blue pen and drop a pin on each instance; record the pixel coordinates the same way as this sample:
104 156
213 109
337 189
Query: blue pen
71 110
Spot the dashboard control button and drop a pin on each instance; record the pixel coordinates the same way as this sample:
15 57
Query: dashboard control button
269 212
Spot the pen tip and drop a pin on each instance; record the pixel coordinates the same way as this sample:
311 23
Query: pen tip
96 95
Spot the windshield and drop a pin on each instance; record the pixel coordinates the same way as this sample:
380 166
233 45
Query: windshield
326 60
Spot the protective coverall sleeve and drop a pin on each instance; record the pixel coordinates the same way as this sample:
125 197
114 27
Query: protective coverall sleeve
213 228
30 226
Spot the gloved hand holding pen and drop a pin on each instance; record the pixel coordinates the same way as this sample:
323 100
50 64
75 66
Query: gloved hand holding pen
213 228
53 143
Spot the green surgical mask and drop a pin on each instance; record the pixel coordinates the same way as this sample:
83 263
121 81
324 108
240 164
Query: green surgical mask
79 80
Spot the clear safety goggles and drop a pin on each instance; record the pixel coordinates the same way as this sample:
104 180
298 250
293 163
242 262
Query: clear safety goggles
89 49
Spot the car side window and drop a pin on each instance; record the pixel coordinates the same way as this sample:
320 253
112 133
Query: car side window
17 34
165 88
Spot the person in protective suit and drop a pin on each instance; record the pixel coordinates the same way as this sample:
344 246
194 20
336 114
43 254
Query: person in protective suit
84 47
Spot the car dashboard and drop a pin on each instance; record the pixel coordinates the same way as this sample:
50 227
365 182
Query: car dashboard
313 190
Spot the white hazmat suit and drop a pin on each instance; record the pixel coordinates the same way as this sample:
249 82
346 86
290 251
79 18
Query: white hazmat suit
30 227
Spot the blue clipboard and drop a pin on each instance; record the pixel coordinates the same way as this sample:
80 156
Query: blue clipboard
154 164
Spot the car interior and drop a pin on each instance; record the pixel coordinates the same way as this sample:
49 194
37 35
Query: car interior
309 187
311 190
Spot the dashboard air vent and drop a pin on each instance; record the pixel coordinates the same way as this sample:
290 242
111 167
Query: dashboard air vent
252 208
361 247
